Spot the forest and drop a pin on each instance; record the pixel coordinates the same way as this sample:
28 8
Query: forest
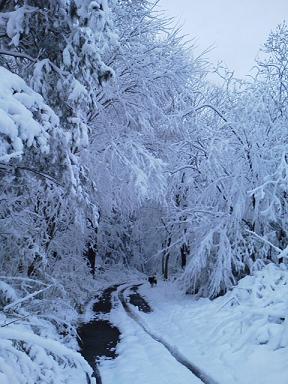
119 155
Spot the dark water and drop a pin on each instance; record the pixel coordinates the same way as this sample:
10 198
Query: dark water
104 304
138 301
99 338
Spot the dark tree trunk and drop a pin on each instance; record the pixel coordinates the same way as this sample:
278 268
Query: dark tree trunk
166 266
90 253
184 251
165 259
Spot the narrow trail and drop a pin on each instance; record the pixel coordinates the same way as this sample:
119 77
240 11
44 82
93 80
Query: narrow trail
137 300
99 337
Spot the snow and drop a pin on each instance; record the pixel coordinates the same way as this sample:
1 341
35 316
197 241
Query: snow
174 168
141 359
27 358
34 348
25 120
14 24
240 338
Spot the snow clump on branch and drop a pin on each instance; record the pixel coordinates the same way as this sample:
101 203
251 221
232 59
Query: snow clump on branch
25 119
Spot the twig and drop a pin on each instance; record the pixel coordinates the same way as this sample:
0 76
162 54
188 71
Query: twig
233 299
6 167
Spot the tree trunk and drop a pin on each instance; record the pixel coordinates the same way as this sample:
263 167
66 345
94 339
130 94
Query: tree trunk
184 251
165 259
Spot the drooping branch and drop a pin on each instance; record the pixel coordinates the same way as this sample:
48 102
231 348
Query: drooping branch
28 297
5 167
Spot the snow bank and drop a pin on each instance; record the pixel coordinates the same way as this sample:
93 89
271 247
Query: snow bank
262 303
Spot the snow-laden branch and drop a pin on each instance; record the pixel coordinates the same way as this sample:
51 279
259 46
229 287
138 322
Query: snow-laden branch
51 345
213 109
5 167
264 240
23 279
28 297
165 249
14 321
282 253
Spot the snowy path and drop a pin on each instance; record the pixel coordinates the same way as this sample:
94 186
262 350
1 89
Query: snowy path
141 359
225 337
171 349
144 357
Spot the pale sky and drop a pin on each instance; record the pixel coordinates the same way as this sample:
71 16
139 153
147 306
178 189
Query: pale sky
236 28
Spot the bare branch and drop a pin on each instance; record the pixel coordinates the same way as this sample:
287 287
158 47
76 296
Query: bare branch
17 54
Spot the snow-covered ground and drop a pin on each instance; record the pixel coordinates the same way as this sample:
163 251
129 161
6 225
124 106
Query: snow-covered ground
240 338
141 360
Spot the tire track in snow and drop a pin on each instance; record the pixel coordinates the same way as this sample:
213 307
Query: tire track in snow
176 354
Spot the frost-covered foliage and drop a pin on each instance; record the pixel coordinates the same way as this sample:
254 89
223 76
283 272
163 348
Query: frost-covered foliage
245 184
36 320
51 70
226 203
25 119
47 208
114 148
31 348
141 112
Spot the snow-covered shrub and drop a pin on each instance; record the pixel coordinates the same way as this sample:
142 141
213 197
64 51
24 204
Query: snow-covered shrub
29 357
33 328
272 204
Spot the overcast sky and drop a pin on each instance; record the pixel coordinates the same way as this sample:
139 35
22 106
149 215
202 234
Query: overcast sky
236 28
